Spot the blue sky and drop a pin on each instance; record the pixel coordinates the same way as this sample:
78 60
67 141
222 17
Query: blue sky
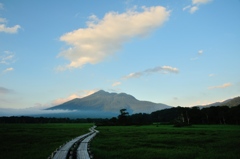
183 52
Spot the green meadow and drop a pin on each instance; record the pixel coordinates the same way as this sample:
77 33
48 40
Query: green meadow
37 141
167 142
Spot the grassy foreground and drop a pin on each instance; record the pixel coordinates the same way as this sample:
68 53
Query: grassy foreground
167 142
36 141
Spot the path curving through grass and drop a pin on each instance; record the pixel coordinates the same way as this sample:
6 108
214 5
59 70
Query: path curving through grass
70 150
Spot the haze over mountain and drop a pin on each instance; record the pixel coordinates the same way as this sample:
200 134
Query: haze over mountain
229 102
110 102
101 105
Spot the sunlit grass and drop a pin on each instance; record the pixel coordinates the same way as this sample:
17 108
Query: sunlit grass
167 142
36 141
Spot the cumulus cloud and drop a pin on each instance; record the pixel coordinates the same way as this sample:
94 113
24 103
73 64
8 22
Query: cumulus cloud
221 86
103 37
195 5
160 69
11 30
6 29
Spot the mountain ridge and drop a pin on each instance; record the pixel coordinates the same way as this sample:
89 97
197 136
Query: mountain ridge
232 102
102 101
113 102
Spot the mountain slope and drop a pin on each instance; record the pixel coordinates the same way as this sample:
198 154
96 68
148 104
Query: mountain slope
112 102
229 102
232 102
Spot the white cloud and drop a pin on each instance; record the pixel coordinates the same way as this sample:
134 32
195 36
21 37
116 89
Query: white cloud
80 94
6 57
29 111
8 69
160 69
200 52
200 1
116 84
63 100
103 37
193 9
133 75
6 29
73 96
221 86
195 5
11 30
187 7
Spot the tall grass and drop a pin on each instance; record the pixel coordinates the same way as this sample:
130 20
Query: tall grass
36 141
167 142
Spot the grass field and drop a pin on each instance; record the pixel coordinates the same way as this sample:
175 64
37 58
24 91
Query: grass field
167 142
36 141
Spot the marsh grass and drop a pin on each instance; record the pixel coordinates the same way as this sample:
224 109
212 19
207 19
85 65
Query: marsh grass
167 142
36 141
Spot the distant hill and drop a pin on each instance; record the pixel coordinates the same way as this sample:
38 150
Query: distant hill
229 102
232 102
110 102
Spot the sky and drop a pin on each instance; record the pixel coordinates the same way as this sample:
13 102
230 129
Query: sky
180 53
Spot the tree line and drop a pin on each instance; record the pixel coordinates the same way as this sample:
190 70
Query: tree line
180 116
43 120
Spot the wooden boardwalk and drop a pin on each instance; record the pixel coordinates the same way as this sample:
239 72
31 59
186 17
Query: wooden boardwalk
82 151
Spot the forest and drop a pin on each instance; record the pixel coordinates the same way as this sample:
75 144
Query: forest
178 116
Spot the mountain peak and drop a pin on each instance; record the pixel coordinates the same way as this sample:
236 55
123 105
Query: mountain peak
105 101
101 91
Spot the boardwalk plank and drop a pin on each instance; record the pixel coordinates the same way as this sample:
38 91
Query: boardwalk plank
63 151
82 151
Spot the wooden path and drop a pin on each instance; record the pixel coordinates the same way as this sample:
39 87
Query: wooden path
82 151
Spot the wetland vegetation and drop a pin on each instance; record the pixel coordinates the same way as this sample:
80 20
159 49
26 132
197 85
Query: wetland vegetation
122 142
167 142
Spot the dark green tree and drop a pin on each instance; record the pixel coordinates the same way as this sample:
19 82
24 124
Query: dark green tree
123 117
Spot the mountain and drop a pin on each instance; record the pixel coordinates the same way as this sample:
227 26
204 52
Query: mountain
232 102
229 102
110 102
